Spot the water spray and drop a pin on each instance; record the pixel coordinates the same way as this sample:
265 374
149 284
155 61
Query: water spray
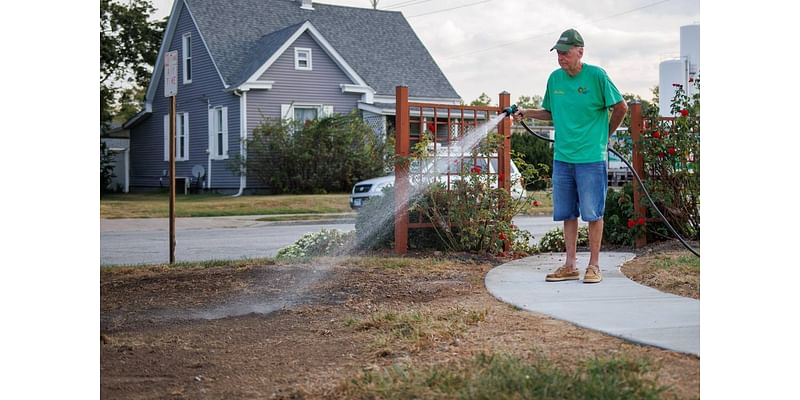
513 109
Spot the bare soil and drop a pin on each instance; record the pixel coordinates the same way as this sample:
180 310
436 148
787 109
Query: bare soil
286 331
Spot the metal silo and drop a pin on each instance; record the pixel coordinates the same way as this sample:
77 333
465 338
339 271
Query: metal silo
669 72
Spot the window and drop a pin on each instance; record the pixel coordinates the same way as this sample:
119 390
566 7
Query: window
302 59
187 58
303 114
218 132
181 136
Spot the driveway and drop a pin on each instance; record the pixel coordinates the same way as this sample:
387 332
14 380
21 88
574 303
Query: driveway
146 240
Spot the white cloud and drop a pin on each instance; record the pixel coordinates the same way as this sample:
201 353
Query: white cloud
504 45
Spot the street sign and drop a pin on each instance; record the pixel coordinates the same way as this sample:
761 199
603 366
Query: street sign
171 74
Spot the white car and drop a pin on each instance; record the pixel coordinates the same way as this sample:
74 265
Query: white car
367 189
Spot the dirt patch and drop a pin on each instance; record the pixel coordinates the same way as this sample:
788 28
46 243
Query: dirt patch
297 331
667 267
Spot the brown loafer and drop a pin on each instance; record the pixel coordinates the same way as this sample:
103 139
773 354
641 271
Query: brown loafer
563 273
592 274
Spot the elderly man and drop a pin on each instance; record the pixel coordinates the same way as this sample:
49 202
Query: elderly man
577 100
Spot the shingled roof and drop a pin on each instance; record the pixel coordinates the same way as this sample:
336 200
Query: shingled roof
379 45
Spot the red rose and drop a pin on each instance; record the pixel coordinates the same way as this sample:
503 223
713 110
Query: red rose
660 154
430 126
535 203
685 112
631 224
640 221
502 236
672 151
513 226
656 134
476 169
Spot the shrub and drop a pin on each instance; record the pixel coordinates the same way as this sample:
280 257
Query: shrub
671 152
553 240
324 155
324 242
473 214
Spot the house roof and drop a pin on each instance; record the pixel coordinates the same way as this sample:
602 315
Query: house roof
379 45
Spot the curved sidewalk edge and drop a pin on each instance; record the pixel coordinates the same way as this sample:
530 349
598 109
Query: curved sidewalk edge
617 306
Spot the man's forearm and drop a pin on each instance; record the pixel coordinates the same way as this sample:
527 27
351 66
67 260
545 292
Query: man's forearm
617 115
539 113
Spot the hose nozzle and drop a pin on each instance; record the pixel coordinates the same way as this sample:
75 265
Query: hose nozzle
511 110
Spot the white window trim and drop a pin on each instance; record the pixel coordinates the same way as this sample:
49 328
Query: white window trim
213 132
181 124
186 59
297 52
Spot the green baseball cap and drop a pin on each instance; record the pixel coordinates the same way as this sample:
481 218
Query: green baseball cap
569 39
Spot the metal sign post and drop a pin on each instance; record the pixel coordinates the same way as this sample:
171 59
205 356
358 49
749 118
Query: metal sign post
171 90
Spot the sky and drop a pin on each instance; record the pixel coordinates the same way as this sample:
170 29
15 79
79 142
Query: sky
490 46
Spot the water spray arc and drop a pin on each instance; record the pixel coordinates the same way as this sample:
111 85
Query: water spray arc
510 111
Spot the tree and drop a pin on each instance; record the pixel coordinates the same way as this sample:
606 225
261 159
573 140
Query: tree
482 100
528 102
129 44
106 167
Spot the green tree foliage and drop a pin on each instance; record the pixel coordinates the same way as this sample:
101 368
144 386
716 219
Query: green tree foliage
482 100
129 43
106 169
537 152
529 102
325 155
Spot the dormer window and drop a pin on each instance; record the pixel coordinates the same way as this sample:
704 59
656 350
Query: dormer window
302 59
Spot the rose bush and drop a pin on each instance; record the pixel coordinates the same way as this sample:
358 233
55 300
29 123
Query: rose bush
670 148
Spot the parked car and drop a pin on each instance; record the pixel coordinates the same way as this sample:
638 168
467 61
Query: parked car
367 189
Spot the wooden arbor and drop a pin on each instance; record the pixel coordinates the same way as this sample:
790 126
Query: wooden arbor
446 123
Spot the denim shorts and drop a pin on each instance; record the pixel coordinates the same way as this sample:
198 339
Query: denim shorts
579 190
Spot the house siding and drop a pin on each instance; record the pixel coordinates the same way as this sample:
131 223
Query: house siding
321 85
148 168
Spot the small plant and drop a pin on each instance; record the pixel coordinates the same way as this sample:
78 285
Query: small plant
324 242
553 241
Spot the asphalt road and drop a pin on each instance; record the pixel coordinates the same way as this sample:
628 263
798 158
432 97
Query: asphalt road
146 241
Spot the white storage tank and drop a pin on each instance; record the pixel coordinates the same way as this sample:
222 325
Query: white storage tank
669 73
690 46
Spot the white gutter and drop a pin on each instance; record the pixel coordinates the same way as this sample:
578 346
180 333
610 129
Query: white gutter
242 137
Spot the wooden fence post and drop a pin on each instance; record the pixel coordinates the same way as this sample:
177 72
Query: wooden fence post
402 129
504 154
637 128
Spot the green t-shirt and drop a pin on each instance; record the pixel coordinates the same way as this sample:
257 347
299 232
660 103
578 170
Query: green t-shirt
579 105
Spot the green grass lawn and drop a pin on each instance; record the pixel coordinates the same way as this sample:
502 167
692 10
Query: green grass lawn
156 205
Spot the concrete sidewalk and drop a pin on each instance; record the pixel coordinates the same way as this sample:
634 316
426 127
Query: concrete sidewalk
617 306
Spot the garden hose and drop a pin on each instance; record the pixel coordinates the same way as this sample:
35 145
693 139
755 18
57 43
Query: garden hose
513 109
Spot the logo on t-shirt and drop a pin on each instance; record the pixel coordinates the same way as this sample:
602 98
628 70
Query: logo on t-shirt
583 90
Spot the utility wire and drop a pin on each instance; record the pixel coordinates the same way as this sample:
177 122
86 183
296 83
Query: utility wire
451 8
405 4
554 32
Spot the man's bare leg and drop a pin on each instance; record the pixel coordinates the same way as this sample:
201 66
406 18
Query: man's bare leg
595 240
571 241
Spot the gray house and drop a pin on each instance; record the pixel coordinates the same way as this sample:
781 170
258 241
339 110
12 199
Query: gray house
243 60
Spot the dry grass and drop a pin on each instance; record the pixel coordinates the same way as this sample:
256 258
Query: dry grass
676 272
